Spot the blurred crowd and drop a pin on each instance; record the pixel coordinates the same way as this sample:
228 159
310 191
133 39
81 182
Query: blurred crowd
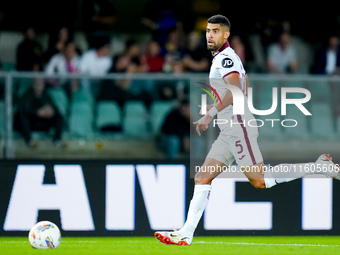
177 42
177 54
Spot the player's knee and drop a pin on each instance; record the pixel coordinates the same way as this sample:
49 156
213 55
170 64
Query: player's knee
203 181
258 183
200 179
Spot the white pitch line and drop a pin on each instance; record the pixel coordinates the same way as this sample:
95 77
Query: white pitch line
80 241
273 244
1 242
67 241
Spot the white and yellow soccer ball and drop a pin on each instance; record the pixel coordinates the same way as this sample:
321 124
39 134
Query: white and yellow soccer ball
44 235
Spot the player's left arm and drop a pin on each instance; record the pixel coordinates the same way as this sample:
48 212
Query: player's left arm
230 79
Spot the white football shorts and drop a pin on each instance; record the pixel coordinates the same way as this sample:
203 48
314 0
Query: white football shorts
238 143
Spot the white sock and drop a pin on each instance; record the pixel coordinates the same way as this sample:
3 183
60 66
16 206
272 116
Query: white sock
286 173
198 204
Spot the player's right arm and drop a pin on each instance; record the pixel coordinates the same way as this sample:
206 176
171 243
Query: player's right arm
227 99
231 79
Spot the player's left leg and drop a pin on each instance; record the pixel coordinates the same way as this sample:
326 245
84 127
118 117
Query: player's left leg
203 178
218 158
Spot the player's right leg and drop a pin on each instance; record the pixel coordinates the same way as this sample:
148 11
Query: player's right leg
203 178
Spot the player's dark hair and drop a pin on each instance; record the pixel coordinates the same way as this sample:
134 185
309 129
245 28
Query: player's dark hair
219 19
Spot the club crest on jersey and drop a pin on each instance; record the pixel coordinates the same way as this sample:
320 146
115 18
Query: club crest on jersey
227 63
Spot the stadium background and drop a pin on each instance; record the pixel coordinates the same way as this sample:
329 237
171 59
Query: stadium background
125 131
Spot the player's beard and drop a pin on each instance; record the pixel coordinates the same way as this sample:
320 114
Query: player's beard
213 47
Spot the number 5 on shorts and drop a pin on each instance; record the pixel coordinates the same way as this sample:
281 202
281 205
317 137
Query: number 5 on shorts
238 144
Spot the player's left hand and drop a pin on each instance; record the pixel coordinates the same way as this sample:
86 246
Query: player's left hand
203 123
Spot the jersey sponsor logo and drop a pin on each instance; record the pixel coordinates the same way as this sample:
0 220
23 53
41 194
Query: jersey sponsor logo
227 63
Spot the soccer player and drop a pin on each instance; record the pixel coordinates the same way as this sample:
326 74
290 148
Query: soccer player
235 142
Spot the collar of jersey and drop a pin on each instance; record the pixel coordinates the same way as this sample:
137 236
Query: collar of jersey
226 45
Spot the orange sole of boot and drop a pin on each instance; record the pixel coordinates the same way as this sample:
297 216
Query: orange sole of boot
166 240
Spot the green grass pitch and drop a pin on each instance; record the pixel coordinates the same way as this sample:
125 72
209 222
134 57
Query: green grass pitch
201 245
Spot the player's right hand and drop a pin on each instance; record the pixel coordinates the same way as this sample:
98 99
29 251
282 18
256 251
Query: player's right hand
202 123
208 108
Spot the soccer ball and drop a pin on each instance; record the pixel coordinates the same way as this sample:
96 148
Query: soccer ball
44 235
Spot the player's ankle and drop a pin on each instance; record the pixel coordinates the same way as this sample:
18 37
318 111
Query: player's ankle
187 230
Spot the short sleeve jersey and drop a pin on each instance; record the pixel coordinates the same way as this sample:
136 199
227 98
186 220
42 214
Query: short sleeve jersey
226 61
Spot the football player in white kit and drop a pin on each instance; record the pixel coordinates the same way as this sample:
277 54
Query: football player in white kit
235 142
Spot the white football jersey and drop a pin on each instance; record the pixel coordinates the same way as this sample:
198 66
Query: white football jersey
225 62
237 140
